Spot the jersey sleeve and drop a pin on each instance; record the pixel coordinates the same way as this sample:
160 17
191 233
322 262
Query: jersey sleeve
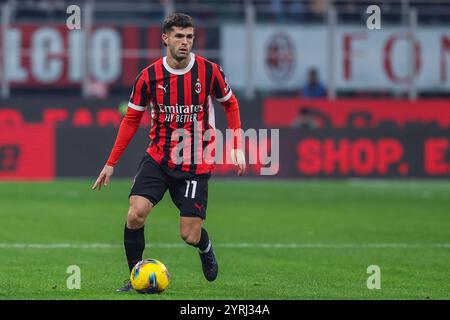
127 130
140 95
139 99
221 88
223 94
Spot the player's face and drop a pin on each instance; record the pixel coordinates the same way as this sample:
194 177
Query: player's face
179 42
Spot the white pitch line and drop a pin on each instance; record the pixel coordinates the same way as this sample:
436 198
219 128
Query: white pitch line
230 245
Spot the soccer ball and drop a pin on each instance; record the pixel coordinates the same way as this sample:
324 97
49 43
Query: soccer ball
149 276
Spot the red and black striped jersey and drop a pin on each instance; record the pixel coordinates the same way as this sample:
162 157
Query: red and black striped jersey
182 99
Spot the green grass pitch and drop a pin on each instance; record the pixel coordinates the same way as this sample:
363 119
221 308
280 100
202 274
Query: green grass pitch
273 240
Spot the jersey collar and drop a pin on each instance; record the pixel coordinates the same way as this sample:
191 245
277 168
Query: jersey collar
179 71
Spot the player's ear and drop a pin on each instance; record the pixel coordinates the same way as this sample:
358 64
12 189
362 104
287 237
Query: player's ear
164 38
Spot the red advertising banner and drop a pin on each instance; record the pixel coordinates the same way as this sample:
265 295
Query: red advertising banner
328 153
27 152
394 153
286 112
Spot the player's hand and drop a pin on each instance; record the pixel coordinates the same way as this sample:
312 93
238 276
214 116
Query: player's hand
238 158
103 178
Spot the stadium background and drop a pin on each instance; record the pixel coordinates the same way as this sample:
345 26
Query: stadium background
384 114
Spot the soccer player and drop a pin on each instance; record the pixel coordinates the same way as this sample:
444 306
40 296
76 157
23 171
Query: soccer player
179 89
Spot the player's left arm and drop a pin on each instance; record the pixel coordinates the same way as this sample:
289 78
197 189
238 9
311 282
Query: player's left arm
224 94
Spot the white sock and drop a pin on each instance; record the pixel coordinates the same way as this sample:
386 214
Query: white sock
207 248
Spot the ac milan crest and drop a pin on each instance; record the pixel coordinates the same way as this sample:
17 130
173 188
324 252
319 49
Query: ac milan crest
198 87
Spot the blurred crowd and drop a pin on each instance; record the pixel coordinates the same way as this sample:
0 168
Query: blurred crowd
266 10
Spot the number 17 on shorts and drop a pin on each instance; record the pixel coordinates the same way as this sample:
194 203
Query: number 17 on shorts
191 185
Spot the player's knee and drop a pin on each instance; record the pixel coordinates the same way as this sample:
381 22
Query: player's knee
190 236
138 212
136 217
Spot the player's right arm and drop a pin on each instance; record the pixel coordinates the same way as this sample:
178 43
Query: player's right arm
130 123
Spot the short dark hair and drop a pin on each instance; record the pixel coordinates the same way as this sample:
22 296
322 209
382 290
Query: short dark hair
177 20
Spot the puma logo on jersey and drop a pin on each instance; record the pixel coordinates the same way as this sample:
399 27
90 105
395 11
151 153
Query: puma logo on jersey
163 88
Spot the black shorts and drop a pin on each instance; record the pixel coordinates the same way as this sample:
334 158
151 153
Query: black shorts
189 192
